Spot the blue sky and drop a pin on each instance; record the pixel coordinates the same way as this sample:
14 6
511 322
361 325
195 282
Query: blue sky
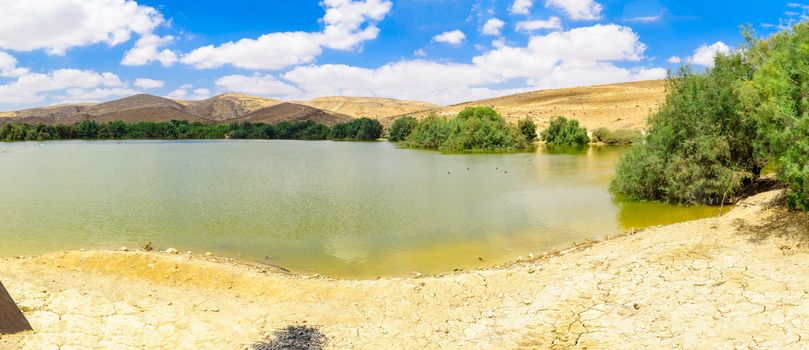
442 51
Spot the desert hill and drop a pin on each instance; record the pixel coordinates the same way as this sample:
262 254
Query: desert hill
368 107
229 106
624 105
293 112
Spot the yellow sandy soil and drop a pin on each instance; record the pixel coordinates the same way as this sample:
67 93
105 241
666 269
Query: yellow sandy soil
733 282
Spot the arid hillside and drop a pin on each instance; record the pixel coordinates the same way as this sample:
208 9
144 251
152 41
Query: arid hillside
368 107
624 105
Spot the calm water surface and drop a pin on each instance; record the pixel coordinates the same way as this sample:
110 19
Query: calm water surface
337 208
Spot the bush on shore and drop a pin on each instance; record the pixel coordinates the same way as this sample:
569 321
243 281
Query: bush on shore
401 128
177 129
567 132
528 129
475 129
360 129
717 130
617 137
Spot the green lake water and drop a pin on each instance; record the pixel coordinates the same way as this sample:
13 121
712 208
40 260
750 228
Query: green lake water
348 209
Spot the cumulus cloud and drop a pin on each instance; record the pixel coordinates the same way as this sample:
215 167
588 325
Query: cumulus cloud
579 56
8 66
492 27
705 54
674 60
420 53
257 84
79 95
186 92
521 7
347 24
529 26
146 83
35 87
577 9
58 25
147 50
453 37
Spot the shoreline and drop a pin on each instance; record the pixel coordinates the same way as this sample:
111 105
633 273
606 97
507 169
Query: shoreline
732 281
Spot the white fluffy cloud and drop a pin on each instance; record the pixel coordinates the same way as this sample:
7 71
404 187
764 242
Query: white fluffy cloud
521 7
79 95
674 60
534 25
576 57
147 50
265 85
146 83
453 37
57 25
577 9
8 66
347 23
705 54
186 92
35 87
492 27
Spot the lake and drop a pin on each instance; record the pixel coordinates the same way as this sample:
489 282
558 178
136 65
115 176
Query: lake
347 209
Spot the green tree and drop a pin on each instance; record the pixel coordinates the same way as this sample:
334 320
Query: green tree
401 128
563 131
528 129
699 146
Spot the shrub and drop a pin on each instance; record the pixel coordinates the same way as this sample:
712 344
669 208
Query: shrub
431 132
699 145
474 129
778 95
361 129
563 131
401 128
617 137
482 129
528 129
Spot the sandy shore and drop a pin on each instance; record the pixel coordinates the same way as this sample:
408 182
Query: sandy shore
739 281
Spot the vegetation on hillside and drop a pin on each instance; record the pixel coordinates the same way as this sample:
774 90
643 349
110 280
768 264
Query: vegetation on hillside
716 130
359 129
474 129
563 131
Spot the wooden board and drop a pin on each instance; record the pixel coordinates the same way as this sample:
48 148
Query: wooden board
11 318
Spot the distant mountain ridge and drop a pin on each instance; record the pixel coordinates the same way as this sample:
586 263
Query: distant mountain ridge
622 105
229 107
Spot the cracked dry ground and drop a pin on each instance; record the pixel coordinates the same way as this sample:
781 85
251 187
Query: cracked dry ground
735 282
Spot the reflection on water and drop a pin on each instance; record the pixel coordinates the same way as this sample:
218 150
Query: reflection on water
338 208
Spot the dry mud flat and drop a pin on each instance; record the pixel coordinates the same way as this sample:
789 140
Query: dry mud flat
734 282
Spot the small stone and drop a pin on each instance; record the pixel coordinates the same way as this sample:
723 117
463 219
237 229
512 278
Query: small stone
171 251
488 314
530 256
208 254
123 249
418 275
532 270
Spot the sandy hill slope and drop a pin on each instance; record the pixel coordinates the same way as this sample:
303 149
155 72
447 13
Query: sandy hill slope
368 107
292 112
229 106
624 105
140 108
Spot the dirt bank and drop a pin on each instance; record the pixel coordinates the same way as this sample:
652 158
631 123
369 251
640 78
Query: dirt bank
734 282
